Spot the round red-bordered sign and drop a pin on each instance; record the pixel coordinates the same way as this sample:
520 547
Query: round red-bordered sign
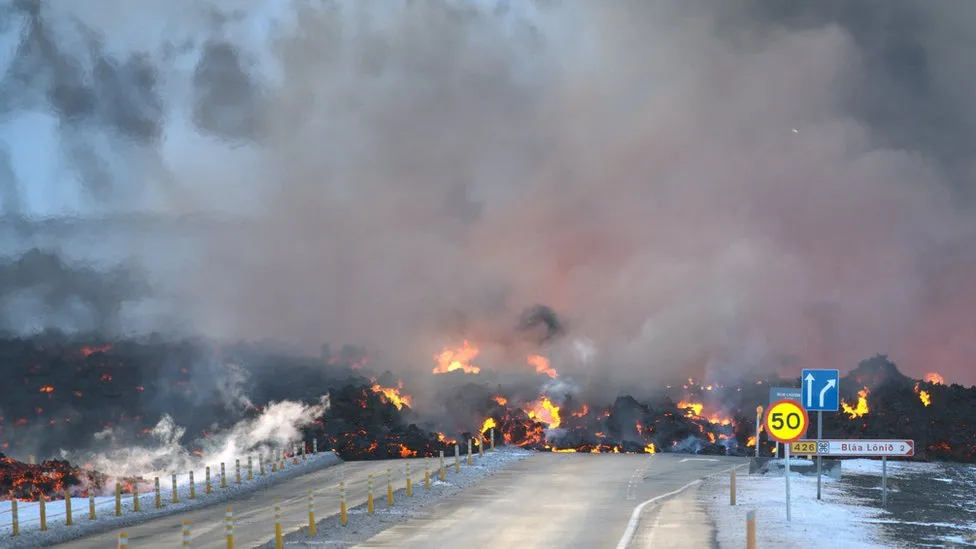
786 421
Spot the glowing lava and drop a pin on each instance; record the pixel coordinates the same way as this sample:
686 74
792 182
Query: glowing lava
861 408
450 360
694 409
923 395
541 365
544 411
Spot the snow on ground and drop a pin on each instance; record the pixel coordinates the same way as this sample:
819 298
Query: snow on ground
361 526
842 519
29 513
896 468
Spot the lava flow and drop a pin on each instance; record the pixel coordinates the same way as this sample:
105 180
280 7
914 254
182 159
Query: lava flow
72 390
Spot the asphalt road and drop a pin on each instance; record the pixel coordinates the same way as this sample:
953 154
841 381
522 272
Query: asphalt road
254 513
571 501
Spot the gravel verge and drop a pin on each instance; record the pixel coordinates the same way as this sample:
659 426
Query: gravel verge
33 537
362 526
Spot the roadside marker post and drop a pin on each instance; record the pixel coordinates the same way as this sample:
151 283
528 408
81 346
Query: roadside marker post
369 495
193 487
176 494
311 514
786 421
389 486
68 521
186 532
250 468
14 519
492 439
343 512
237 471
118 499
759 416
469 451
443 473
223 475
229 527
732 486
135 497
91 505
207 488
821 394
279 542
123 540
751 529
159 493
42 510
409 482
457 458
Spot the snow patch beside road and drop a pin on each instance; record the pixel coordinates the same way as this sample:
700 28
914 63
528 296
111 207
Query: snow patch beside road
844 520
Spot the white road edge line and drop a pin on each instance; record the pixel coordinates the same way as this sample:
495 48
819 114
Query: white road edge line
635 516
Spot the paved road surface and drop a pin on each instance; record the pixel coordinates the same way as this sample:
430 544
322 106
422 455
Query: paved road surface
254 513
570 501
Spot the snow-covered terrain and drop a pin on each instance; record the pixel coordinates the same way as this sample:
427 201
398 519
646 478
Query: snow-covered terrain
29 513
850 514
839 517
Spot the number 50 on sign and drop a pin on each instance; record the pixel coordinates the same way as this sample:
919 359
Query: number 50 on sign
786 421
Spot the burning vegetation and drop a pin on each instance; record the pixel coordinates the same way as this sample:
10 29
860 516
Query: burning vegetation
59 394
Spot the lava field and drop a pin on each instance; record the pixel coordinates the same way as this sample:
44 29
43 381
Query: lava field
59 393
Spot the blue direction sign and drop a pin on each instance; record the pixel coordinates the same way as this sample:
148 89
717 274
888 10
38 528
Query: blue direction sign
821 390
785 393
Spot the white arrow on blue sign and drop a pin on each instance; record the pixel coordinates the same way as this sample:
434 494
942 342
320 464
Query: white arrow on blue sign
821 390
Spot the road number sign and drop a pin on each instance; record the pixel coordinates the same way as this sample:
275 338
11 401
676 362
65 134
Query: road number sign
786 421
804 447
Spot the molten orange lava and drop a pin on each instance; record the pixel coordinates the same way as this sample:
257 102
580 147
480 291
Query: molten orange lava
861 408
544 411
933 377
392 394
500 400
751 442
450 360
89 351
693 408
488 424
46 389
542 366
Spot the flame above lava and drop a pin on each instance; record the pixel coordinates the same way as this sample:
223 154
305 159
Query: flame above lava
450 360
933 377
542 366
861 408
693 409
392 394
923 395
502 401
544 411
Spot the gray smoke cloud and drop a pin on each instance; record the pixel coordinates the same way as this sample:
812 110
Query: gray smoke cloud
692 187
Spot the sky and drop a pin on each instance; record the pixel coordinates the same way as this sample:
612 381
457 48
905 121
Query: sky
717 188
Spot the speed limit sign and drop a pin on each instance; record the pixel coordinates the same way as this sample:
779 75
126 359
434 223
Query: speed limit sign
786 421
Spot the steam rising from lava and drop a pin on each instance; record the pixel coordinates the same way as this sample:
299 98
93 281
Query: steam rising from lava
691 186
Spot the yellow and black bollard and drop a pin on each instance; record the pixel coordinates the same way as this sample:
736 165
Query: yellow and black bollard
118 499
186 532
369 494
193 487
294 456
443 473
207 486
260 465
91 504
229 527
457 458
223 475
315 446
135 497
409 482
469 451
159 494
427 473
175 496
311 514
43 512
343 512
14 519
279 542
492 439
67 509
389 486
237 471
123 540
250 469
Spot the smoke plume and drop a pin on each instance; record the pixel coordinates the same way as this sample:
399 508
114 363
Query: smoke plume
692 187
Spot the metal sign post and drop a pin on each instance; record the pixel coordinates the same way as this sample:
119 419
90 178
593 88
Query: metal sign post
884 481
786 422
786 447
819 436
